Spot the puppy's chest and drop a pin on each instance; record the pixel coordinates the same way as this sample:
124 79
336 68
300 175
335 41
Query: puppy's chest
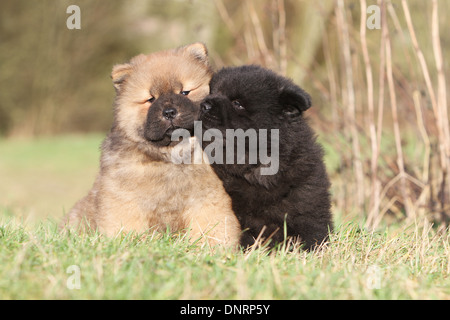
156 187
248 197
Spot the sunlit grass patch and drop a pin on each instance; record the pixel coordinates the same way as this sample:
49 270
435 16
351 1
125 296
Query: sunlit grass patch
407 263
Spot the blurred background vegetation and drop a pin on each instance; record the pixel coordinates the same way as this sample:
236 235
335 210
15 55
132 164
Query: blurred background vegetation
379 95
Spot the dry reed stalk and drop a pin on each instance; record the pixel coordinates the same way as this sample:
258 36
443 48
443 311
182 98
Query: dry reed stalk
265 52
283 43
428 83
250 42
420 56
339 196
440 112
426 158
279 36
333 97
399 31
374 198
357 162
397 137
226 17
382 69
374 218
442 97
442 93
275 19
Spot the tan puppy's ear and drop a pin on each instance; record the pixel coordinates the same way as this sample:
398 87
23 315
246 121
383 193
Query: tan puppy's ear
121 72
197 50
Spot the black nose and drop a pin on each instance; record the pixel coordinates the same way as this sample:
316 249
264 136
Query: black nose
169 113
206 106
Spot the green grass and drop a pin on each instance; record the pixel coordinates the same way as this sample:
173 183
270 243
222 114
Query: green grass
399 262
411 263
44 177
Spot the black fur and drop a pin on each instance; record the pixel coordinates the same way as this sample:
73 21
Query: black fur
298 194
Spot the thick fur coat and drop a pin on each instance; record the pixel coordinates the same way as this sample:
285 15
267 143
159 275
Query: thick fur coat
293 202
138 187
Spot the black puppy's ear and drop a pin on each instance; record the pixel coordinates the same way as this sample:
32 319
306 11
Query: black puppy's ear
294 100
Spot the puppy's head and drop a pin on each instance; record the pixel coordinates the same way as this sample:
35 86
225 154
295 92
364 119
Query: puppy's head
252 97
160 92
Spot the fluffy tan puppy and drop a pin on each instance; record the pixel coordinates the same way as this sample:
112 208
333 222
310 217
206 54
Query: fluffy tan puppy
138 187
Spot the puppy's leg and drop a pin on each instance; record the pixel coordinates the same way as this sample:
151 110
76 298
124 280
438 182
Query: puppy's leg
214 223
82 217
117 215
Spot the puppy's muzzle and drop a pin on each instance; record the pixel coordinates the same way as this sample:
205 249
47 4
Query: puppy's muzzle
168 113
213 109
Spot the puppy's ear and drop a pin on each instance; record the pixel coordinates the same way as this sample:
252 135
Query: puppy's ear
198 51
294 100
121 72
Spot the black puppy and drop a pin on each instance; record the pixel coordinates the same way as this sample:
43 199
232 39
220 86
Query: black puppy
291 201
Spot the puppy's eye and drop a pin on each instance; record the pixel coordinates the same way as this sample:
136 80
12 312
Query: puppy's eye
291 111
151 99
237 105
185 93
